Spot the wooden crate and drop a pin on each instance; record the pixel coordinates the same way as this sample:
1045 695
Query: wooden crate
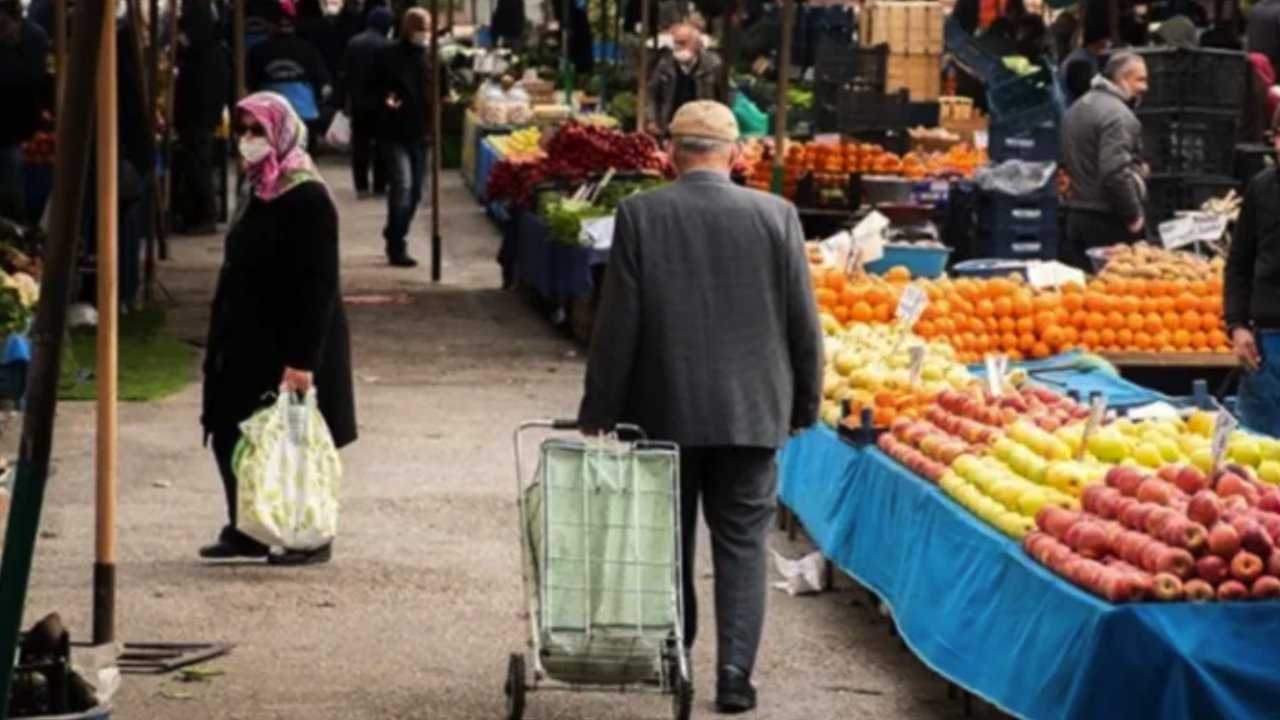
921 75
910 28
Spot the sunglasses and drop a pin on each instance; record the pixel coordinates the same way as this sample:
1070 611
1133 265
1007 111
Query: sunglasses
252 130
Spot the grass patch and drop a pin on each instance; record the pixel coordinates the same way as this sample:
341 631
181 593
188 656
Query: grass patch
154 364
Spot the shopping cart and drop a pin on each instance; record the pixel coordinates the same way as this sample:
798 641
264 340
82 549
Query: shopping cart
600 534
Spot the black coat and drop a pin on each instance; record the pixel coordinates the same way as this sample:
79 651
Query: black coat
404 70
278 304
357 82
1252 276
22 81
203 85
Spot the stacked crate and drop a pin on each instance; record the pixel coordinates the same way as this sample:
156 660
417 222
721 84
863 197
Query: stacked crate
913 32
1190 117
1024 227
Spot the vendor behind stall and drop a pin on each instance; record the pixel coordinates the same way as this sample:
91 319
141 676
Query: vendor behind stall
1251 301
1102 149
689 72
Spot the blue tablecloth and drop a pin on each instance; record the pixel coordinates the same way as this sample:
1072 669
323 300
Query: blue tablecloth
1071 371
982 613
558 273
486 157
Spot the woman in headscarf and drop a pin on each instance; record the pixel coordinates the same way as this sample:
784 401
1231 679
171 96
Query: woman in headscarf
277 323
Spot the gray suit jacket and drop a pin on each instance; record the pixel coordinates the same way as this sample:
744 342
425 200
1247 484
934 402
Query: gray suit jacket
707 332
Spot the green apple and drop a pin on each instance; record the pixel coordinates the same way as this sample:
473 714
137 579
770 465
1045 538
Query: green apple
1110 445
1270 448
1245 452
1004 448
1203 460
1148 455
1032 499
1169 451
1269 471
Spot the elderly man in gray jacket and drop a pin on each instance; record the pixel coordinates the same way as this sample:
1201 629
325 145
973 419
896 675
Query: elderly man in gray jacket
708 335
1102 149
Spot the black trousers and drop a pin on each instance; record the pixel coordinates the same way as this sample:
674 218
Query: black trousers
737 487
195 203
1086 230
224 447
365 155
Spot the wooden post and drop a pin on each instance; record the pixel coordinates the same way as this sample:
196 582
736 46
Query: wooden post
436 146
59 56
104 569
237 45
36 444
170 97
642 84
784 81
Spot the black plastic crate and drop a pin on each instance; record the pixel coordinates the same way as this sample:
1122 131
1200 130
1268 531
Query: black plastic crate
860 111
1025 101
1251 159
1192 142
1168 194
1009 245
863 68
1038 144
1028 213
1181 78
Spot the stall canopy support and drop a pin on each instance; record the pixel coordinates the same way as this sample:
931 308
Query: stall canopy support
784 82
437 244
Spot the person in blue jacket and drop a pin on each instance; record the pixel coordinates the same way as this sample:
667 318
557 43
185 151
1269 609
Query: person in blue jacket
290 66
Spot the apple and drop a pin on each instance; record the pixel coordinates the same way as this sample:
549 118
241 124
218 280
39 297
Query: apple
1252 537
1273 564
1167 587
1213 570
1199 591
1155 490
1183 533
1246 567
1224 541
1157 520
1135 518
1168 473
1089 540
1270 501
1265 588
1055 520
1234 503
1123 504
1232 590
1116 586
1190 480
1130 545
1125 479
1177 562
1204 508
1232 484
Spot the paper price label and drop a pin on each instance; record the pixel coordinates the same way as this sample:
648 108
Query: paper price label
1052 274
1223 425
1192 228
1097 412
868 237
837 249
916 353
997 366
911 306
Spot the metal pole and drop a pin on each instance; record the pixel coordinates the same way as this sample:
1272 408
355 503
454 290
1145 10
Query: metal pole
104 569
50 328
237 45
436 71
728 46
642 84
566 66
784 81
159 206
59 56
170 97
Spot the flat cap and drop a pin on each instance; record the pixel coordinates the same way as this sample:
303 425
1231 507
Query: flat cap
705 119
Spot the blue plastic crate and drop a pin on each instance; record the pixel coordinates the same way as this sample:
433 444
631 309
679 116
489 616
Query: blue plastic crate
1039 144
989 268
1020 102
921 261
962 46
1019 214
1018 244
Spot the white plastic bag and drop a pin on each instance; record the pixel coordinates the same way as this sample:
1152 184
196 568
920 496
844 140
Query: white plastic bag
339 134
288 475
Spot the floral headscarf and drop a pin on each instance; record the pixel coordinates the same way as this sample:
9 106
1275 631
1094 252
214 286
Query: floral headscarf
288 165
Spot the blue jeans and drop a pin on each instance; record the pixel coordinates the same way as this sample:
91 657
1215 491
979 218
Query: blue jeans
1258 400
406 178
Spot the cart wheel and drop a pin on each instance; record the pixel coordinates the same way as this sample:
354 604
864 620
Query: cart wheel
682 698
515 687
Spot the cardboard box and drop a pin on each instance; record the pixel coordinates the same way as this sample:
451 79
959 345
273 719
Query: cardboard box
921 75
909 28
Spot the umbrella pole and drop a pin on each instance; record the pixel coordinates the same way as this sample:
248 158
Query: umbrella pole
104 569
237 44
436 148
32 471
784 82
642 92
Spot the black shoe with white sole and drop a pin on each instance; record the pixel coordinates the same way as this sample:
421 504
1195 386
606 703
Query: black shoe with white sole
734 692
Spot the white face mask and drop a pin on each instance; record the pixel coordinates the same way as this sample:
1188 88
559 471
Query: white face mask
685 56
254 150
421 39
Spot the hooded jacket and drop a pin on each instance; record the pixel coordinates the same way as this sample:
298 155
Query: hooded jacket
1102 149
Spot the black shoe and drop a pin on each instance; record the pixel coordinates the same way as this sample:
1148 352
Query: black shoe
402 260
734 692
293 558
233 544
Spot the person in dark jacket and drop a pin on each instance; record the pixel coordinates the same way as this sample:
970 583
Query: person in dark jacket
402 79
689 72
364 102
1102 151
202 89
277 322
1262 31
1083 63
286 64
707 336
23 50
1251 301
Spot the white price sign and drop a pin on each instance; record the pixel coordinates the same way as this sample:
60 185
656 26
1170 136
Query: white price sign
911 306
1192 228
1097 412
997 366
837 249
916 353
1223 425
1053 274
868 238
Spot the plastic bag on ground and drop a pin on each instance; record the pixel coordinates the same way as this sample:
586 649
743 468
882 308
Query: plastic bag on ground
1015 177
288 475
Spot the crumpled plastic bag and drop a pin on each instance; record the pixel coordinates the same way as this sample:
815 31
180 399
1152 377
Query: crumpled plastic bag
1015 177
801 577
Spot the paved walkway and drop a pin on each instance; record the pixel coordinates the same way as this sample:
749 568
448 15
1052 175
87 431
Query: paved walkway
418 612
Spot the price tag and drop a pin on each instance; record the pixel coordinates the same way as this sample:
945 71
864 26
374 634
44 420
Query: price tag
997 366
910 306
868 237
1192 228
1052 274
1097 412
1223 425
837 249
826 139
916 353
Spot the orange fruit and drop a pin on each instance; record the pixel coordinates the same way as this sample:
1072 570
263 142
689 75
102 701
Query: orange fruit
841 313
1052 336
1200 340
1009 341
1107 337
1218 339
1000 287
1172 321
1166 305
1025 324
1044 320
1182 339
1096 321
984 309
1072 288
1041 351
1153 324
1191 321
1116 320
1090 339
1210 321
1211 304
883 313
1003 307
1127 305
1080 319
898 273
926 329
1162 340
1073 301
1185 302
1097 302
826 297
1138 287
1026 341
1142 340
1124 338
1135 322
991 324
1022 304
861 312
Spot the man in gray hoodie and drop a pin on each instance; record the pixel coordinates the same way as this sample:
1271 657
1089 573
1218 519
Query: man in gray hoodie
1102 149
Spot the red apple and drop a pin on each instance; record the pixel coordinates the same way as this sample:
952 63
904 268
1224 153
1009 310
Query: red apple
1158 519
1123 504
1055 520
1186 534
1232 590
1205 508
1273 564
1190 480
1135 517
1199 591
1116 586
1089 498
1233 504
1213 570
1252 537
1265 588
1154 490
1232 484
1125 479
1224 541
1177 562
1089 539
1246 567
1168 473
1167 587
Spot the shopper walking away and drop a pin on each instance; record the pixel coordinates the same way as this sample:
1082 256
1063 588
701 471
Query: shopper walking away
23 48
277 323
402 80
1262 31
202 89
1102 149
689 72
707 335
290 66
1251 301
364 102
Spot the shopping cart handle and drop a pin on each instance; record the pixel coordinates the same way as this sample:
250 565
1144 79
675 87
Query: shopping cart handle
563 424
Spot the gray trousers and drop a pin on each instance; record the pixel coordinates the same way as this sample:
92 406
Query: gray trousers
738 489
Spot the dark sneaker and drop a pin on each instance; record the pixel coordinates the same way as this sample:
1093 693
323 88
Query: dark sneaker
734 692
233 544
293 558
402 261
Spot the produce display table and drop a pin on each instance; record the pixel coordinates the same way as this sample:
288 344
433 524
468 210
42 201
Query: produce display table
487 155
1173 373
1073 372
559 274
982 613
473 131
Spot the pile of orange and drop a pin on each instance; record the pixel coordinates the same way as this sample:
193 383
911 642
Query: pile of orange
828 160
1004 315
887 406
